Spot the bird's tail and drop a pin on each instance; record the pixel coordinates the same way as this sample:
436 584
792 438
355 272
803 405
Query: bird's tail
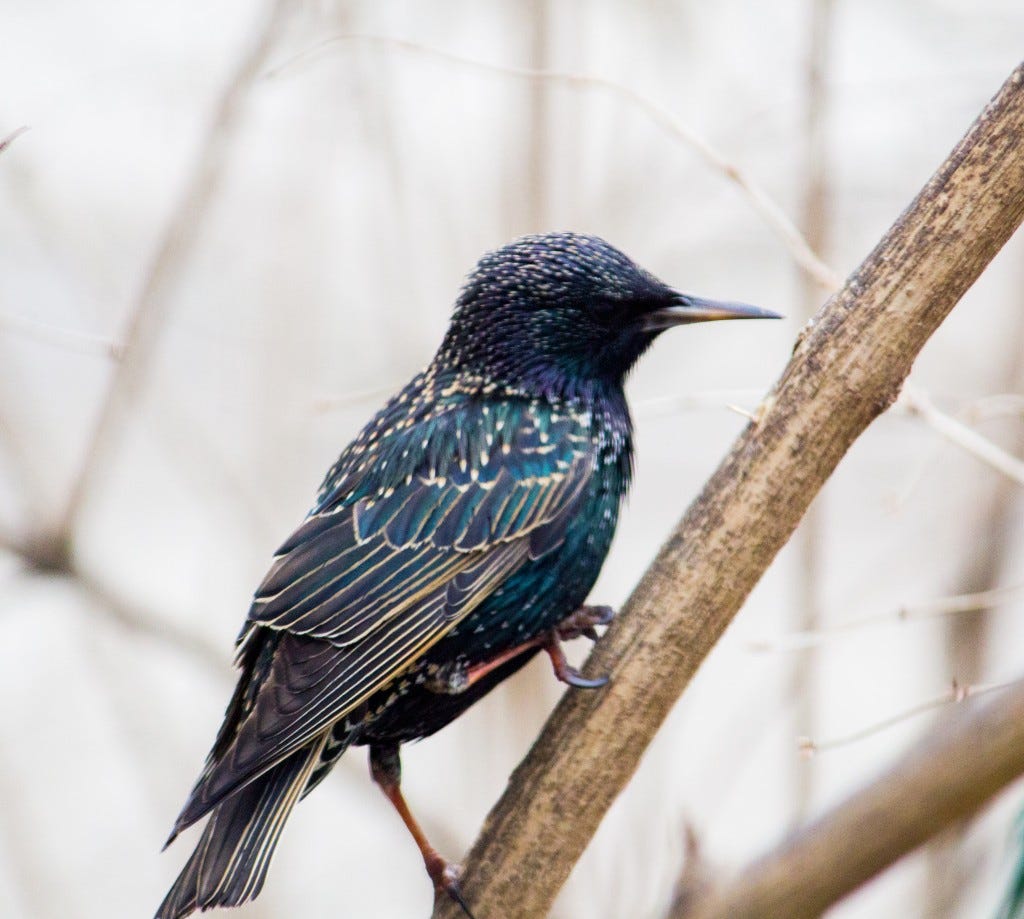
230 863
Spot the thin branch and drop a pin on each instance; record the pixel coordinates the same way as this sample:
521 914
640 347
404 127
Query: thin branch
917 403
149 313
134 621
12 137
956 693
760 200
61 337
846 369
696 880
47 556
922 610
946 777
997 405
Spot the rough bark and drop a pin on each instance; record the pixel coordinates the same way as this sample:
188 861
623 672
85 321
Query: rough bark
847 367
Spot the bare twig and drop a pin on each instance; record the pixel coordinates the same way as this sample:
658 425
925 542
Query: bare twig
946 777
12 137
918 403
176 244
61 337
846 369
760 200
146 624
956 693
47 557
995 406
924 609
356 397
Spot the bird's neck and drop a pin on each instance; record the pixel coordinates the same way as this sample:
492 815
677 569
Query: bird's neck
603 399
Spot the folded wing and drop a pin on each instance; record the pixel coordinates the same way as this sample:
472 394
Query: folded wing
374 577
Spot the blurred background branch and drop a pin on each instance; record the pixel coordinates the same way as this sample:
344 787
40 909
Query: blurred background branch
12 137
762 203
946 777
148 314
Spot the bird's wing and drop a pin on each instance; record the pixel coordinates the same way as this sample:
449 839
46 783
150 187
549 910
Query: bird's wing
457 522
364 588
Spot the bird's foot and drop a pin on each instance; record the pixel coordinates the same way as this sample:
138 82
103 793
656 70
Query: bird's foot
457 676
564 671
447 878
582 622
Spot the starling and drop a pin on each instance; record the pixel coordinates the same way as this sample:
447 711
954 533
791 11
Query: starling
457 536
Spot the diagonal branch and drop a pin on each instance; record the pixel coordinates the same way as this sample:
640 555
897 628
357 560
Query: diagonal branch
176 244
12 137
847 368
918 403
945 777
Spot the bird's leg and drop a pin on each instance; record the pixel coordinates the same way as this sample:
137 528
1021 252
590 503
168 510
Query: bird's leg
580 623
386 769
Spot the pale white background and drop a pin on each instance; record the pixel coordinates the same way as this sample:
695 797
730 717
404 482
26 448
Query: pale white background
358 185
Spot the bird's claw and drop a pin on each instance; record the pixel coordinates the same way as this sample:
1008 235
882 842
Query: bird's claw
563 670
582 622
457 676
573 677
448 881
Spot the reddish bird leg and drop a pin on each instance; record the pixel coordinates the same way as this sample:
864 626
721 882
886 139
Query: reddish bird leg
581 622
386 769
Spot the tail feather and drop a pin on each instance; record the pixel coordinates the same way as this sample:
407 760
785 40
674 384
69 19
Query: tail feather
230 862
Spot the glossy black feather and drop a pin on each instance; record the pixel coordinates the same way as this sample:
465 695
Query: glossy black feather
379 602
471 514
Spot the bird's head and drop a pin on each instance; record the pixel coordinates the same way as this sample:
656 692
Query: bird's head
562 312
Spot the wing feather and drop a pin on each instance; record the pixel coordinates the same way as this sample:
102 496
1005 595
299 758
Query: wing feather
371 581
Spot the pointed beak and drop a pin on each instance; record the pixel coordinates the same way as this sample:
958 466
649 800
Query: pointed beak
687 309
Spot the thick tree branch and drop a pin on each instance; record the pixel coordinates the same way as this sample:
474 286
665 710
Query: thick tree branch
946 777
847 368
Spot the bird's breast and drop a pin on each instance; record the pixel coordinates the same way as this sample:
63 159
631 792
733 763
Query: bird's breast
546 590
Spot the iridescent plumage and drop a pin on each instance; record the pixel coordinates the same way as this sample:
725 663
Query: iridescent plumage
469 517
